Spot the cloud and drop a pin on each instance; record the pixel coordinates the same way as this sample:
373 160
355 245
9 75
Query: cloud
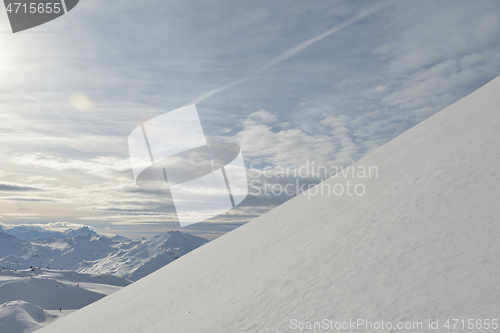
31 199
21 214
102 166
293 51
8 187
431 32
267 140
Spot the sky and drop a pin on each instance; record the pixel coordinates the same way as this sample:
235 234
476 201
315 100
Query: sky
293 83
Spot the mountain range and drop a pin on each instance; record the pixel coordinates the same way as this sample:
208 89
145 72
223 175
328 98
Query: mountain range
36 232
84 251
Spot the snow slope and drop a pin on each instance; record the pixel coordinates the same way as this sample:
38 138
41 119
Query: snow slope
422 243
31 299
86 252
57 289
23 317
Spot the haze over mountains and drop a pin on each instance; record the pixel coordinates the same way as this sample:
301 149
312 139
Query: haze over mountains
420 246
33 232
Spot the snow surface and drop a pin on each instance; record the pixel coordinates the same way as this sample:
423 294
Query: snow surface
57 289
24 317
422 243
84 251
30 299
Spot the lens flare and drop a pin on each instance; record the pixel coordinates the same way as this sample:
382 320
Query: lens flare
81 102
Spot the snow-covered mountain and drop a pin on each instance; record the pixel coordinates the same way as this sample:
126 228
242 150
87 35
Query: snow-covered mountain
83 231
84 251
420 246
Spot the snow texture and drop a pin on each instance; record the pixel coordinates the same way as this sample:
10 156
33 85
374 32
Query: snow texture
23 317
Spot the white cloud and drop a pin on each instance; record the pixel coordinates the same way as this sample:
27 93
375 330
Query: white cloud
107 167
294 50
268 142
429 32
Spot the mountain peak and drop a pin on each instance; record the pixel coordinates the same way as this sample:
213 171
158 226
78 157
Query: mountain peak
83 231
